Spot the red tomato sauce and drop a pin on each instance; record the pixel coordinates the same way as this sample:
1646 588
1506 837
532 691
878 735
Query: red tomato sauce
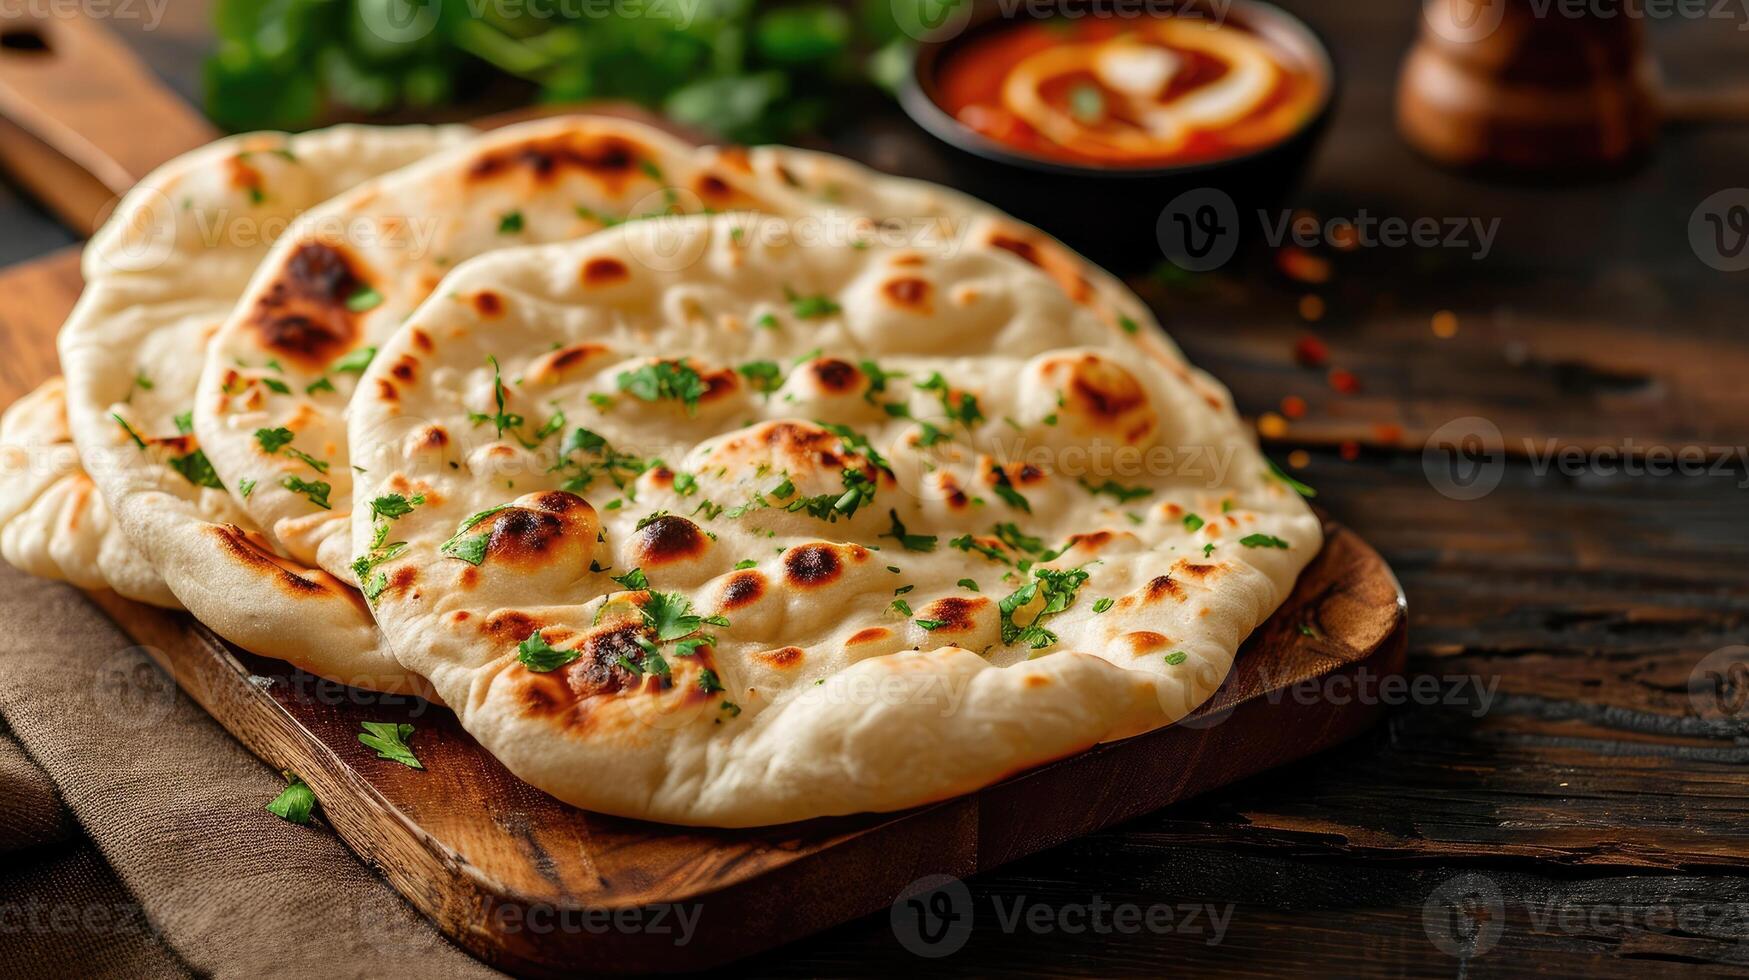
972 76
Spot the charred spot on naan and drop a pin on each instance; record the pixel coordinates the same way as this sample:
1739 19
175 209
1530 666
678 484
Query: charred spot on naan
835 377
1098 396
1053 260
252 552
815 566
913 294
611 160
539 530
783 658
489 304
668 539
604 271
568 361
306 314
743 589
955 614
1162 587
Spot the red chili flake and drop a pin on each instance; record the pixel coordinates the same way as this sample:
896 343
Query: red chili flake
1311 352
1350 450
1388 433
1302 266
1344 381
1294 407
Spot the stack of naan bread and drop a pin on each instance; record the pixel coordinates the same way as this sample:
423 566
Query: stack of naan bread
711 486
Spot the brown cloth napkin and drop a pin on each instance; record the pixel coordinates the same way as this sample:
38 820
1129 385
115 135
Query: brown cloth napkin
180 870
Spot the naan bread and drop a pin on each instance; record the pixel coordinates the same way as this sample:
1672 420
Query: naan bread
53 522
342 281
924 521
161 276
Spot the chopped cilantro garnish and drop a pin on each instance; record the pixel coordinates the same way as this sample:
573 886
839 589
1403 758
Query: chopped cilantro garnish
902 606
932 624
1102 604
664 379
184 422
1295 485
355 362
810 307
471 549
1129 326
707 681
316 490
961 407
539 656
1263 541
912 542
764 377
245 487
1176 657
363 300
512 223
294 803
501 420
1114 489
966 583
276 386
1058 588
1193 522
125 427
1005 489
197 469
390 741
745 563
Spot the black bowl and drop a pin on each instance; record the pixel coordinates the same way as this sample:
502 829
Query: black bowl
1129 218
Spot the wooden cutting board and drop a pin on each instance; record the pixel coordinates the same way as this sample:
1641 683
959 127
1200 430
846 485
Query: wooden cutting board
537 887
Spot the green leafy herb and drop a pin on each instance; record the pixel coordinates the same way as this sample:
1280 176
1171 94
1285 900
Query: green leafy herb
664 380
245 487
294 803
363 300
198 470
1005 489
707 681
125 427
1176 657
184 422
1263 541
276 386
810 307
316 490
1114 489
1101 605
354 362
500 419
911 542
470 548
1293 484
390 741
966 583
932 624
537 655
1058 587
962 407
1193 523
511 223
764 377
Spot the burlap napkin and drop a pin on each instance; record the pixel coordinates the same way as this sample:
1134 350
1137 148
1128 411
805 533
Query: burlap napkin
184 871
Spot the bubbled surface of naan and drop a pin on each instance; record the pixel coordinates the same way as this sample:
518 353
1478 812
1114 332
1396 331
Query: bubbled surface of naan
834 699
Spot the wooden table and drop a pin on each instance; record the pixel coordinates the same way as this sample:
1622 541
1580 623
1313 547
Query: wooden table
1566 791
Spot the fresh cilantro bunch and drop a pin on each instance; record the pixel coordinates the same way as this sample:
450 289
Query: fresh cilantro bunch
744 69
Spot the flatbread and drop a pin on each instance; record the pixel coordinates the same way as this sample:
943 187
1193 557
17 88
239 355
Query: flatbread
837 580
340 284
162 274
53 522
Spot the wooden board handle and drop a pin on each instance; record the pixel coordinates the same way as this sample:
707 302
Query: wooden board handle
81 119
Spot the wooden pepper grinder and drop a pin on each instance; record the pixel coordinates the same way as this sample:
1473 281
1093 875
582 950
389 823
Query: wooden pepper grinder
1527 86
